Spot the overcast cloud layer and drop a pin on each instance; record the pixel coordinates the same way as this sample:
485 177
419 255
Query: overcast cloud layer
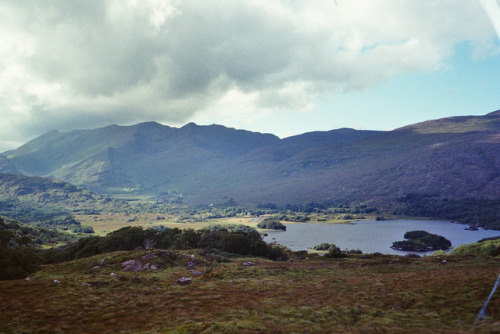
85 64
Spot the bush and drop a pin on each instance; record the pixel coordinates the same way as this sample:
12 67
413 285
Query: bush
323 247
332 250
487 247
272 224
82 229
130 238
18 257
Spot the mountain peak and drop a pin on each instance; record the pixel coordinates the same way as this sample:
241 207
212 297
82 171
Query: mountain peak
190 125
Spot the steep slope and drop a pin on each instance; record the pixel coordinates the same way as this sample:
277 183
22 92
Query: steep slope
138 157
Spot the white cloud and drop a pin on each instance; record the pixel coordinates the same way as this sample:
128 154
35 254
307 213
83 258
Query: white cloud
74 64
492 8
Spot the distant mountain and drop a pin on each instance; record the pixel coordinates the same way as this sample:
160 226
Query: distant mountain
456 157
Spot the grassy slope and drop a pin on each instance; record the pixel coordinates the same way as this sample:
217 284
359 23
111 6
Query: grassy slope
47 191
316 295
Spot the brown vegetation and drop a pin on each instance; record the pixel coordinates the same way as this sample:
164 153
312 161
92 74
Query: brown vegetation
384 294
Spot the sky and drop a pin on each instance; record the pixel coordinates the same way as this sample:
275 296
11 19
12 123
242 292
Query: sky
278 66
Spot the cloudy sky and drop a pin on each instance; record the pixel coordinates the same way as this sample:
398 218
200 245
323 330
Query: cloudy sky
279 66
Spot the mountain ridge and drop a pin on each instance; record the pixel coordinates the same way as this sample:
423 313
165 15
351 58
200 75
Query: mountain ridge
455 157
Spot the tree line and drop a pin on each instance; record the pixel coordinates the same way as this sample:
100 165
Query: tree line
19 257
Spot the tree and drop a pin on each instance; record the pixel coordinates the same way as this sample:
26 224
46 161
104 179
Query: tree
272 224
421 241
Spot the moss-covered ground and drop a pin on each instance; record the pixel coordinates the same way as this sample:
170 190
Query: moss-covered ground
380 294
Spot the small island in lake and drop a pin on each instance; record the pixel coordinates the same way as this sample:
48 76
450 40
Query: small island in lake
421 241
271 223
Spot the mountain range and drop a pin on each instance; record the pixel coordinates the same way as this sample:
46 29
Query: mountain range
453 158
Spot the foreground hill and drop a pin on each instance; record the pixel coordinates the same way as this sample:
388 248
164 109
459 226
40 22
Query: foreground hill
452 158
374 294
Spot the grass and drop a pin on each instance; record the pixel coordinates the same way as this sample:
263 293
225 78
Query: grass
106 222
314 295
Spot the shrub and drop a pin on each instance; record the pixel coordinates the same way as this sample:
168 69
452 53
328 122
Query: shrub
272 224
332 250
130 238
323 247
487 247
18 257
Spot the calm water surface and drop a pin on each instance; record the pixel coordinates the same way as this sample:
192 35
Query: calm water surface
371 236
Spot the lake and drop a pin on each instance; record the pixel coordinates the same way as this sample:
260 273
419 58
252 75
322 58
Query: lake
371 236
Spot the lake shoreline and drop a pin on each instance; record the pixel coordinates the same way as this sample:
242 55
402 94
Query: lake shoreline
370 237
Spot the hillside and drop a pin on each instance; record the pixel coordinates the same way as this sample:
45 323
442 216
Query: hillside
47 203
453 158
374 294
37 235
50 192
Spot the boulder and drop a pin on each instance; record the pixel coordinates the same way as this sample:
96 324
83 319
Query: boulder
149 256
134 265
197 273
184 281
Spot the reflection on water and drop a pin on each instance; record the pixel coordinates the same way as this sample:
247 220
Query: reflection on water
371 236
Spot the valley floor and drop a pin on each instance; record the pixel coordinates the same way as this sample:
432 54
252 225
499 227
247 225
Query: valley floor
380 294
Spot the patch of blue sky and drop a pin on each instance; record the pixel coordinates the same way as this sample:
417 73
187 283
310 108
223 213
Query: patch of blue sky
467 85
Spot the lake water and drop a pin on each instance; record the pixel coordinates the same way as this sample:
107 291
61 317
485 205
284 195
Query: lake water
371 236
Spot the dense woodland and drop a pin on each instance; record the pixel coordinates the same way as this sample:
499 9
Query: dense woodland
475 212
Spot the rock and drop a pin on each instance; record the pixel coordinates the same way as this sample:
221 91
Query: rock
190 265
85 284
248 264
444 262
113 274
197 273
57 282
102 263
28 279
153 267
149 256
184 281
134 265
